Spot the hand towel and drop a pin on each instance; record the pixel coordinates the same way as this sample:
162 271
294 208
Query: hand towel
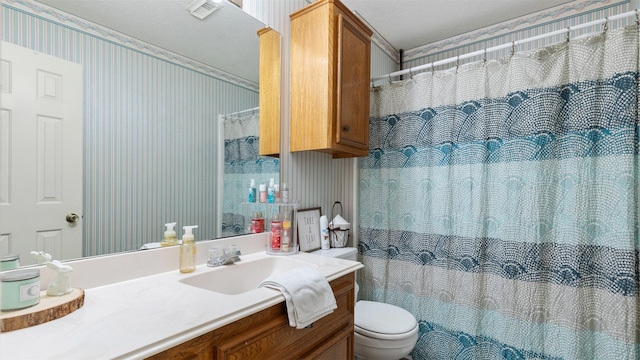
307 293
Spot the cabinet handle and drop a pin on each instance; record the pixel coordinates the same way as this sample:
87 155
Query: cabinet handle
346 128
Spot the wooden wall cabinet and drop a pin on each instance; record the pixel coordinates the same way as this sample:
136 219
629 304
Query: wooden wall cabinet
270 81
267 334
330 78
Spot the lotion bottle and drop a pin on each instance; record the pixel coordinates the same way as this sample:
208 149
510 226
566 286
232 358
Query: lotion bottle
188 250
252 191
170 237
271 192
324 233
263 193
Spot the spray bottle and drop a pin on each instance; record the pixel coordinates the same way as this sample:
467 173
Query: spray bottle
252 191
170 237
188 250
271 192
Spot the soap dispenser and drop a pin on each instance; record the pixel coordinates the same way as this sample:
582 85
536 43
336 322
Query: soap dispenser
188 250
170 237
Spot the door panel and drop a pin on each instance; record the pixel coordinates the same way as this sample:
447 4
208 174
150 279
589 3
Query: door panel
40 154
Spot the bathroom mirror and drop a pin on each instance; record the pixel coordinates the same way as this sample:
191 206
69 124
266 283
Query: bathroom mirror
151 142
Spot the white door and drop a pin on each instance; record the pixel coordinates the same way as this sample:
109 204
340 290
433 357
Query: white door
40 154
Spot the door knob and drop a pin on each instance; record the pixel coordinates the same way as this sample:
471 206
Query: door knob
72 217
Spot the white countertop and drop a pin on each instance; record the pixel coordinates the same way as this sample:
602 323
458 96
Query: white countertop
143 316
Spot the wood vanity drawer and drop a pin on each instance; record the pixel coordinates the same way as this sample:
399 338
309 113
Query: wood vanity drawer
267 334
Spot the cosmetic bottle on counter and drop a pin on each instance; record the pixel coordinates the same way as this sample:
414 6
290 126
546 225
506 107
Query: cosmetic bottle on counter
263 193
257 223
252 191
324 233
170 237
284 193
271 192
276 231
188 250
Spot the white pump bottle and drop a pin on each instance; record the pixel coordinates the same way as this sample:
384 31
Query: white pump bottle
170 237
188 250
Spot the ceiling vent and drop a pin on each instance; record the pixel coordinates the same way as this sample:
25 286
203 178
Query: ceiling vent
203 8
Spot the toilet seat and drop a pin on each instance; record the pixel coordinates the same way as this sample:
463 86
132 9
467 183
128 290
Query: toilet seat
383 321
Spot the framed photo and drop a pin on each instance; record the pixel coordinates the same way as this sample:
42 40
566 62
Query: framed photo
309 228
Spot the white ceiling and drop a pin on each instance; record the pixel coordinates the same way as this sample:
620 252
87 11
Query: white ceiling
405 24
226 40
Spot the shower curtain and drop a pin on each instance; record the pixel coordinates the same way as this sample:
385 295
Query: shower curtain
242 163
499 204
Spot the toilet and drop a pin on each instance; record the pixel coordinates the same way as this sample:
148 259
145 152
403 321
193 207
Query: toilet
382 331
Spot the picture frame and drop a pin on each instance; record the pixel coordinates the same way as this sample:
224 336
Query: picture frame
308 224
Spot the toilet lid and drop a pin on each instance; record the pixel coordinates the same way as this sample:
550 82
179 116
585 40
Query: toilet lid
381 318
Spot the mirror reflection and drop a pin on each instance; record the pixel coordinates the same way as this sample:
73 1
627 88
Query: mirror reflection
153 141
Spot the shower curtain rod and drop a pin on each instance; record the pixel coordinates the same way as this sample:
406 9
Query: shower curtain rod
243 111
511 45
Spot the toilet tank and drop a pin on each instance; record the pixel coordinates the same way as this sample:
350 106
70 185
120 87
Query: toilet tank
349 253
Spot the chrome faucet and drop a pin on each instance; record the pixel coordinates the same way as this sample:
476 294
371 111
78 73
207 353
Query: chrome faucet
219 257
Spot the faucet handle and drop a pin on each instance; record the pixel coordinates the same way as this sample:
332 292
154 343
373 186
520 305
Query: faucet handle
215 256
234 250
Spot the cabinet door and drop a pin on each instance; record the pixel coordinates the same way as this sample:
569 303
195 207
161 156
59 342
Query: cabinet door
354 63
269 92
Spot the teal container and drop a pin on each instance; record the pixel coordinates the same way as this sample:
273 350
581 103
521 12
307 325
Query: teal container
9 262
20 289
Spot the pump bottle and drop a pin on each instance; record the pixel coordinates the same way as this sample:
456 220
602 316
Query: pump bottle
170 237
188 250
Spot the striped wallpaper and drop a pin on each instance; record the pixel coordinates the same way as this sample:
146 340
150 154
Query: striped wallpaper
150 128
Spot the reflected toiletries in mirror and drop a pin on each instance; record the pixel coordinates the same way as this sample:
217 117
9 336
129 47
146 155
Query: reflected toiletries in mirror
151 97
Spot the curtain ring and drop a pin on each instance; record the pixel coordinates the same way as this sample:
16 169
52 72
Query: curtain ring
389 78
457 62
372 84
605 26
433 70
484 55
637 17
513 48
568 33
410 74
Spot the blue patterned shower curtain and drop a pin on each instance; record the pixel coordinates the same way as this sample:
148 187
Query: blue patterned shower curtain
499 204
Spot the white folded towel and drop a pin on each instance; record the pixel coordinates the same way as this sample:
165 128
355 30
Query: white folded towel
307 293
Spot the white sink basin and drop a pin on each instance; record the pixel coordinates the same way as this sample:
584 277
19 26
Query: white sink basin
243 276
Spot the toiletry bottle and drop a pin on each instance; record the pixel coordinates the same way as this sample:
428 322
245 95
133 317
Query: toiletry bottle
257 223
271 192
252 191
324 233
263 193
284 193
188 250
170 237
276 188
285 240
276 231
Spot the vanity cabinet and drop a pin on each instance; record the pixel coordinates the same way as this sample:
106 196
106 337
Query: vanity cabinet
330 75
267 334
269 92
